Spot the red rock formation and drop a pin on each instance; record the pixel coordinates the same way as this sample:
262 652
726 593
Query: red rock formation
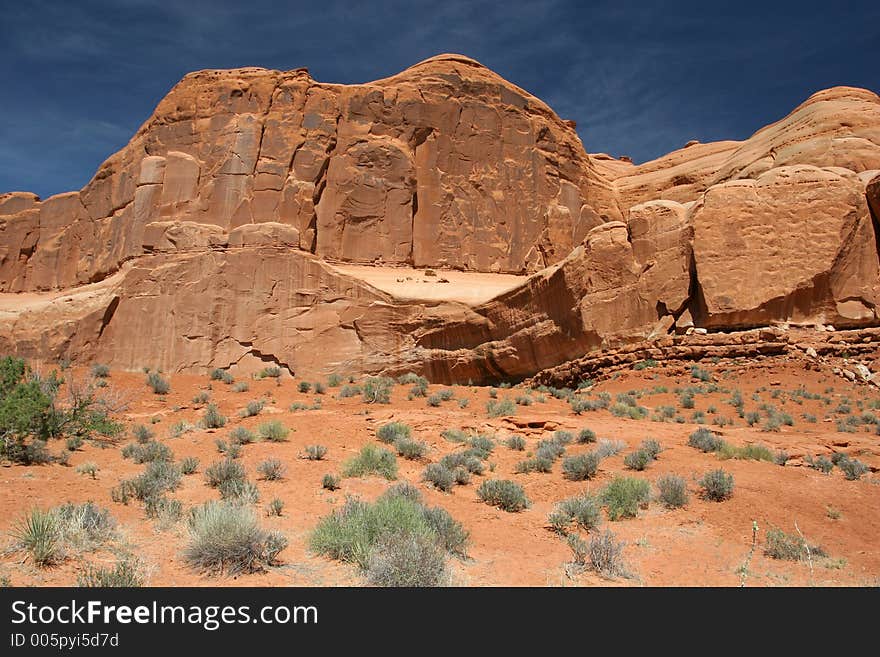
205 241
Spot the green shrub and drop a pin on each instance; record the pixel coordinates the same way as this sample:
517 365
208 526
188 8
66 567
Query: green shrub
158 478
410 449
440 476
781 457
672 491
371 460
242 436
271 372
704 440
516 443
315 452
469 459
74 443
446 394
717 485
434 401
377 390
392 432
275 508
330 482
586 436
319 388
273 431
852 469
334 381
505 494
536 464
38 534
500 408
361 532
405 559
224 471
239 491
241 386
637 460
584 510
481 445
189 465
549 449
212 418
623 497
581 467
755 452
454 435
147 452
179 428
159 385
125 574
100 371
652 447
780 545
271 469
304 386
700 374
201 398
226 538
216 374
253 408
822 464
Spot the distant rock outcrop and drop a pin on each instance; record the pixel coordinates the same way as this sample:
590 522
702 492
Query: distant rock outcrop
209 240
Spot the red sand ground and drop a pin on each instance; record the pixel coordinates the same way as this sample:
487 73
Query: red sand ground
702 544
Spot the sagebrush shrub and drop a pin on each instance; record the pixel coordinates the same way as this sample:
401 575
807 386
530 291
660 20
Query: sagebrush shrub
584 510
125 574
371 460
505 494
403 559
791 547
224 471
227 538
410 449
500 408
440 476
377 390
212 418
580 467
393 431
717 485
271 469
586 436
159 385
606 555
100 371
315 452
330 482
273 431
189 465
704 440
516 443
672 491
623 497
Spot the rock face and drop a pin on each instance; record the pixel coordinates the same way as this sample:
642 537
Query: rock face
445 164
209 240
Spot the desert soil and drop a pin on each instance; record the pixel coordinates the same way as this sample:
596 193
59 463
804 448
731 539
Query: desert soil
703 544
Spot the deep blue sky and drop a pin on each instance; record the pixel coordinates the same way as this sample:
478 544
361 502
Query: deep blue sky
641 79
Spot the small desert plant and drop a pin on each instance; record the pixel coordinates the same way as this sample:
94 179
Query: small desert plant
241 436
852 469
780 545
406 559
410 449
226 537
239 491
672 491
822 464
304 386
606 447
125 574
74 443
38 534
652 447
440 476
271 372
315 452
392 432
500 408
434 400
638 460
704 440
334 380
371 460
202 398
536 464
581 467
377 390
781 457
330 482
271 469
221 472
516 443
147 452
273 431
586 436
623 497
717 485
189 465
584 510
159 385
100 371
505 494
606 555
212 417
275 508
253 408
241 386
88 468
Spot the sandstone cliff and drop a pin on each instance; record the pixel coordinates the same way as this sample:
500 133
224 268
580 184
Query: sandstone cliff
208 241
